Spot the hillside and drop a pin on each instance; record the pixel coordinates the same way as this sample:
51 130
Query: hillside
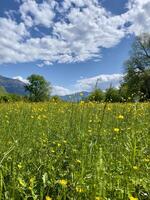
12 85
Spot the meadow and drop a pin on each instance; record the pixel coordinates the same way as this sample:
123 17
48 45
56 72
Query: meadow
75 151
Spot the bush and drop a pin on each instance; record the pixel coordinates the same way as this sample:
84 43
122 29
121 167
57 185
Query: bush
97 96
112 95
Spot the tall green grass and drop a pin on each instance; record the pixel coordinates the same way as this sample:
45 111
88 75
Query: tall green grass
68 151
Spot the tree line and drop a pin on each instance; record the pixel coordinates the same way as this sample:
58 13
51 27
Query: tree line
136 82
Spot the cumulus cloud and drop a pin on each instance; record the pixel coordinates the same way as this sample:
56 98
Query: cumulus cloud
139 16
68 31
103 81
33 13
60 91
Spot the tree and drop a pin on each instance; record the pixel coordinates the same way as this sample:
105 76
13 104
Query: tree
39 89
112 95
96 95
137 70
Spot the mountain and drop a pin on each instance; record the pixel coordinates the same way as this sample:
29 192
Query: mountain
13 86
75 97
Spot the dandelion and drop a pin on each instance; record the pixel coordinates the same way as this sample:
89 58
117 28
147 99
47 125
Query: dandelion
120 117
48 198
63 182
116 130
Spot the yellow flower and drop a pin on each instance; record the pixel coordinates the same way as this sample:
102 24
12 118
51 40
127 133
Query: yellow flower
19 166
98 198
116 130
133 198
63 182
135 167
120 117
48 198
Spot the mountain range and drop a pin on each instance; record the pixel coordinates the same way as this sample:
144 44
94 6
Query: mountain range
12 86
15 86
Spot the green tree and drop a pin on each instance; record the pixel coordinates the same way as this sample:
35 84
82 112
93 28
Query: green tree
112 95
38 88
137 76
96 95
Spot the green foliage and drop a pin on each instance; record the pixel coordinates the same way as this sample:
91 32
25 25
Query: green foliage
38 88
11 98
112 95
96 95
69 151
137 78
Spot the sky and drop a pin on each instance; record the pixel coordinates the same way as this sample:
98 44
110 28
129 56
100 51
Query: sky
72 43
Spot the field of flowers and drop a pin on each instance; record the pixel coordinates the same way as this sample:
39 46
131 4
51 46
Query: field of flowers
70 151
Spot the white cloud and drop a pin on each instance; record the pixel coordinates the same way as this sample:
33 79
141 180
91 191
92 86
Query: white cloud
33 13
73 33
103 81
139 16
20 78
60 91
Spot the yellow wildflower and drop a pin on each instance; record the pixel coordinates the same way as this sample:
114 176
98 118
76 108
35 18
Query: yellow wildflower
135 167
48 198
19 166
63 182
116 130
120 117
98 198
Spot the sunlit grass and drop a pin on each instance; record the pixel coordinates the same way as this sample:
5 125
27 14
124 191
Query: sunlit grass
74 151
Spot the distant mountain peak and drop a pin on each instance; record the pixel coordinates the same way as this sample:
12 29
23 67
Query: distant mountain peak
13 86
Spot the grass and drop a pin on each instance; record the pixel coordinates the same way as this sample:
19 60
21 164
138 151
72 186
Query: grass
66 151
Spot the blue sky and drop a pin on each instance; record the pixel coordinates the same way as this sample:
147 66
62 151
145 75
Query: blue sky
72 43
